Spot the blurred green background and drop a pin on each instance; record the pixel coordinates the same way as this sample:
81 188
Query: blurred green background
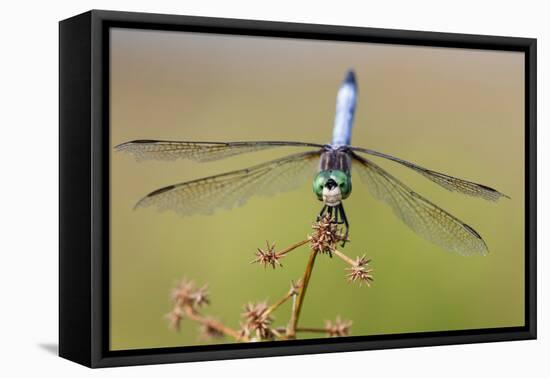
453 110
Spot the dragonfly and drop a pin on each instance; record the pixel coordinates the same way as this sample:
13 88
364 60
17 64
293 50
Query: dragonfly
330 165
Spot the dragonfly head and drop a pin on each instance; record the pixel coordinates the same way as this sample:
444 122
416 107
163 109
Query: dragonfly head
332 186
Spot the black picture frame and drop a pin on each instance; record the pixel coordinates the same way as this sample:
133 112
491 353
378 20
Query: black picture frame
84 190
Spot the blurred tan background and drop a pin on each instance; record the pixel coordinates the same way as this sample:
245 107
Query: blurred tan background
453 110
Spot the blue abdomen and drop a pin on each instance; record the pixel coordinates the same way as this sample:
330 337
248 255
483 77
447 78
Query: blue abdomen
345 110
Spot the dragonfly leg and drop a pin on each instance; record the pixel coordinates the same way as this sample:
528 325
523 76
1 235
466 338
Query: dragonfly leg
321 213
338 216
345 221
334 213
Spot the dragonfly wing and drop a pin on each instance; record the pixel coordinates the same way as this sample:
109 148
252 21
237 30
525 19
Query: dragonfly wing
198 151
422 216
450 183
233 189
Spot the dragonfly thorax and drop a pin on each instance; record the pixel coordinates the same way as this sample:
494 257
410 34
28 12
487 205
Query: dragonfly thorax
332 186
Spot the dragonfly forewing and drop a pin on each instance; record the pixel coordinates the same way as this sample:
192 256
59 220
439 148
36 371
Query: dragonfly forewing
450 183
199 151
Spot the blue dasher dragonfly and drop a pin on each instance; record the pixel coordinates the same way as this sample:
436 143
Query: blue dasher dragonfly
330 165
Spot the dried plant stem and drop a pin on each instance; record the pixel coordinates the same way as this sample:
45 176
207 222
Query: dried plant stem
300 299
283 330
257 325
196 316
344 257
292 247
277 333
281 301
313 330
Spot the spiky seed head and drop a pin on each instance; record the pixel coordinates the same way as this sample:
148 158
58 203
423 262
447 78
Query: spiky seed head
325 236
338 328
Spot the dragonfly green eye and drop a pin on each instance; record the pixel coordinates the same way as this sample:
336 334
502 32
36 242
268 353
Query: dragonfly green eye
342 180
319 183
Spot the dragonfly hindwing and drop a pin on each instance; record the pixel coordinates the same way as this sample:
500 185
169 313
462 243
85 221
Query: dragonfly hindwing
422 216
232 189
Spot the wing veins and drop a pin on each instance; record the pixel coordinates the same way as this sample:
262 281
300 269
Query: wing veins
459 237
231 188
450 183
200 151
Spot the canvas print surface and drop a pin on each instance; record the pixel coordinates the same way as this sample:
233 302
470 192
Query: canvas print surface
267 189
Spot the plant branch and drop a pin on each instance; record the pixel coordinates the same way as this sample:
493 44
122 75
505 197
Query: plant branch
300 299
281 301
258 322
311 329
292 247
347 259
196 316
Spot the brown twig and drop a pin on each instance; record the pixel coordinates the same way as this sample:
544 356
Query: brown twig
300 299
257 322
220 327
312 330
292 247
279 303
347 259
